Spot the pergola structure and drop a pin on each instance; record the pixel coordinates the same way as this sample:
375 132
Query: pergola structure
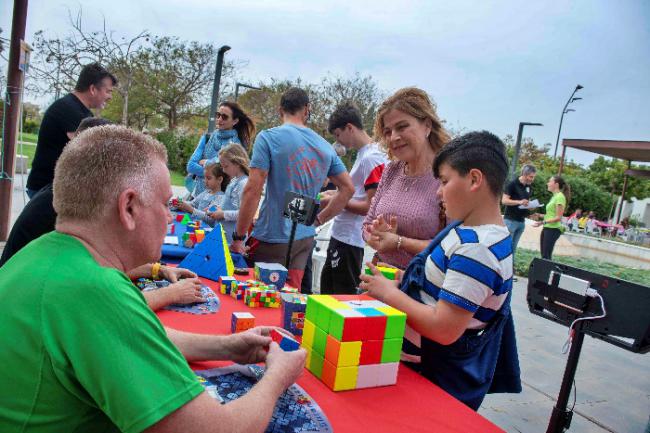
637 151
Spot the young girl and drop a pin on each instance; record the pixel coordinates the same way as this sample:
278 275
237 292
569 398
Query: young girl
212 196
234 161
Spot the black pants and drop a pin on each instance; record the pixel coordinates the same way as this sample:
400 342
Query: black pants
342 268
547 241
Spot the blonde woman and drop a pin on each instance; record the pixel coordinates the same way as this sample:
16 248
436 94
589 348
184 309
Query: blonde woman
235 163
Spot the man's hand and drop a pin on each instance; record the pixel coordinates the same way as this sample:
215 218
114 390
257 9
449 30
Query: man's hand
174 274
326 197
378 286
186 291
249 347
238 247
523 202
285 367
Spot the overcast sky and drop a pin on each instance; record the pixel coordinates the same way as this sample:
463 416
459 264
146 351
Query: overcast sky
488 65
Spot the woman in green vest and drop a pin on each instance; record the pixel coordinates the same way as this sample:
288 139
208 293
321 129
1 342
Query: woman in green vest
552 220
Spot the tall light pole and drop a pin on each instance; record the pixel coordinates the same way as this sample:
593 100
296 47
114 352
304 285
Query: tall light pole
515 156
215 87
238 85
564 111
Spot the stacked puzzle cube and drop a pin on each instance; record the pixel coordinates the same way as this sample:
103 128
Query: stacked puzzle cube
262 297
293 312
352 341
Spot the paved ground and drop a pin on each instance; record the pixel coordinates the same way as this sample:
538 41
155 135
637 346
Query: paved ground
613 385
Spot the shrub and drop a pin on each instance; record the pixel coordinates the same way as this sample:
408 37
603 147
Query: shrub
584 195
179 148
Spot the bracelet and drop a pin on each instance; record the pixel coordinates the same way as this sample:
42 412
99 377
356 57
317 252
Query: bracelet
155 270
399 242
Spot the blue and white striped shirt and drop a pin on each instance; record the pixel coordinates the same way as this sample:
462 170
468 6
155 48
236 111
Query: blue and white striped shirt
472 268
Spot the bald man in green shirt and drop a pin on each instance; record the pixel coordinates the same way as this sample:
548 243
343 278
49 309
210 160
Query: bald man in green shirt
81 351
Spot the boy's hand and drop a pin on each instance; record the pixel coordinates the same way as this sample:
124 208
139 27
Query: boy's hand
378 286
174 274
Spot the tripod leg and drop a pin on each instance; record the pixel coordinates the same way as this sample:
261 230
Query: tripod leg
560 417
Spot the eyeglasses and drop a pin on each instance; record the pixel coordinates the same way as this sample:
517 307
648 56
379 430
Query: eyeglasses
222 116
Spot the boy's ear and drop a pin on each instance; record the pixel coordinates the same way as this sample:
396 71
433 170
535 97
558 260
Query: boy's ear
476 179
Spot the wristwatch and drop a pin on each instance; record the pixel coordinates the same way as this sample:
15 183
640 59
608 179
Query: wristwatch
237 237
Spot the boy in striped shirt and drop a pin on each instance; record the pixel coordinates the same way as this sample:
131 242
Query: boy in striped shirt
456 293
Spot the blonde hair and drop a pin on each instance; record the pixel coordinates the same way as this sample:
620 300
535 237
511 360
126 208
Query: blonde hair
236 154
98 164
415 102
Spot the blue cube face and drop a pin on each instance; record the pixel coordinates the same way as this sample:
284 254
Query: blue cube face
289 345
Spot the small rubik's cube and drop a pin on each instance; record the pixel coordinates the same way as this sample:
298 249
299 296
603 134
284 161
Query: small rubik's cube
261 297
241 321
293 312
352 341
237 290
271 273
200 235
286 343
388 272
227 284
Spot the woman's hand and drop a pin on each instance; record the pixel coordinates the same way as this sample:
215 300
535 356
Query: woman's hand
380 224
383 241
538 223
202 162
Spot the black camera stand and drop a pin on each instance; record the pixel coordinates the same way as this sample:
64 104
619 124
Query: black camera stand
627 317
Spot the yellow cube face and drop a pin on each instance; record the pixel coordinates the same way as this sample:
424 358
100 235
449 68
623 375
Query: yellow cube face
346 378
308 331
390 311
308 359
349 354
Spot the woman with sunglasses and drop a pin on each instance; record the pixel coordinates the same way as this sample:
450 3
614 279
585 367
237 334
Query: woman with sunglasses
233 126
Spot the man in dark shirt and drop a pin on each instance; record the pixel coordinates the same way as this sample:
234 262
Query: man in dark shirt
94 89
517 194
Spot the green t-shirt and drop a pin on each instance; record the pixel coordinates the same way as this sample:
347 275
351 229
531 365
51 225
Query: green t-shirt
80 349
551 210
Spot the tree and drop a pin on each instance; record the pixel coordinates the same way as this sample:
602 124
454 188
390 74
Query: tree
58 61
608 175
178 75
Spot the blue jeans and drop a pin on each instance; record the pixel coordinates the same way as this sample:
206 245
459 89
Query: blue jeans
516 228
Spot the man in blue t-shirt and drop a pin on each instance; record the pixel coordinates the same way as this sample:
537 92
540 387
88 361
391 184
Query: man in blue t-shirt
290 157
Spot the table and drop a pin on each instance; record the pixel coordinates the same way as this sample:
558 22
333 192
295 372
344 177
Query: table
413 405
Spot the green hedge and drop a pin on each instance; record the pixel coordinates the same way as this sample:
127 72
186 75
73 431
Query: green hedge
584 195
179 148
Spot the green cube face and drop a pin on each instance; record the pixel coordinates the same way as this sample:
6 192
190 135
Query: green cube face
318 312
391 350
320 341
316 364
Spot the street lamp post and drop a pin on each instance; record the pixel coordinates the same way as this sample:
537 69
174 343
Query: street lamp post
215 87
515 156
238 85
564 111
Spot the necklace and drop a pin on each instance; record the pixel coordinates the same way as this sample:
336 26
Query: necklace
408 180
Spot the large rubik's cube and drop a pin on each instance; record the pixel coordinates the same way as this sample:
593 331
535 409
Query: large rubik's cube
352 341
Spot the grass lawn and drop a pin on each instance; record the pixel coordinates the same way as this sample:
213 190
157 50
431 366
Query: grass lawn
178 178
523 258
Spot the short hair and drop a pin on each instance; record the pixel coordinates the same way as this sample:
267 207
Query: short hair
98 164
93 74
414 102
528 169
237 155
346 112
294 99
91 122
479 150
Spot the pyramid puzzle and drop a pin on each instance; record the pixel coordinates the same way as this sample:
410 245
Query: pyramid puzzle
211 258
352 341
